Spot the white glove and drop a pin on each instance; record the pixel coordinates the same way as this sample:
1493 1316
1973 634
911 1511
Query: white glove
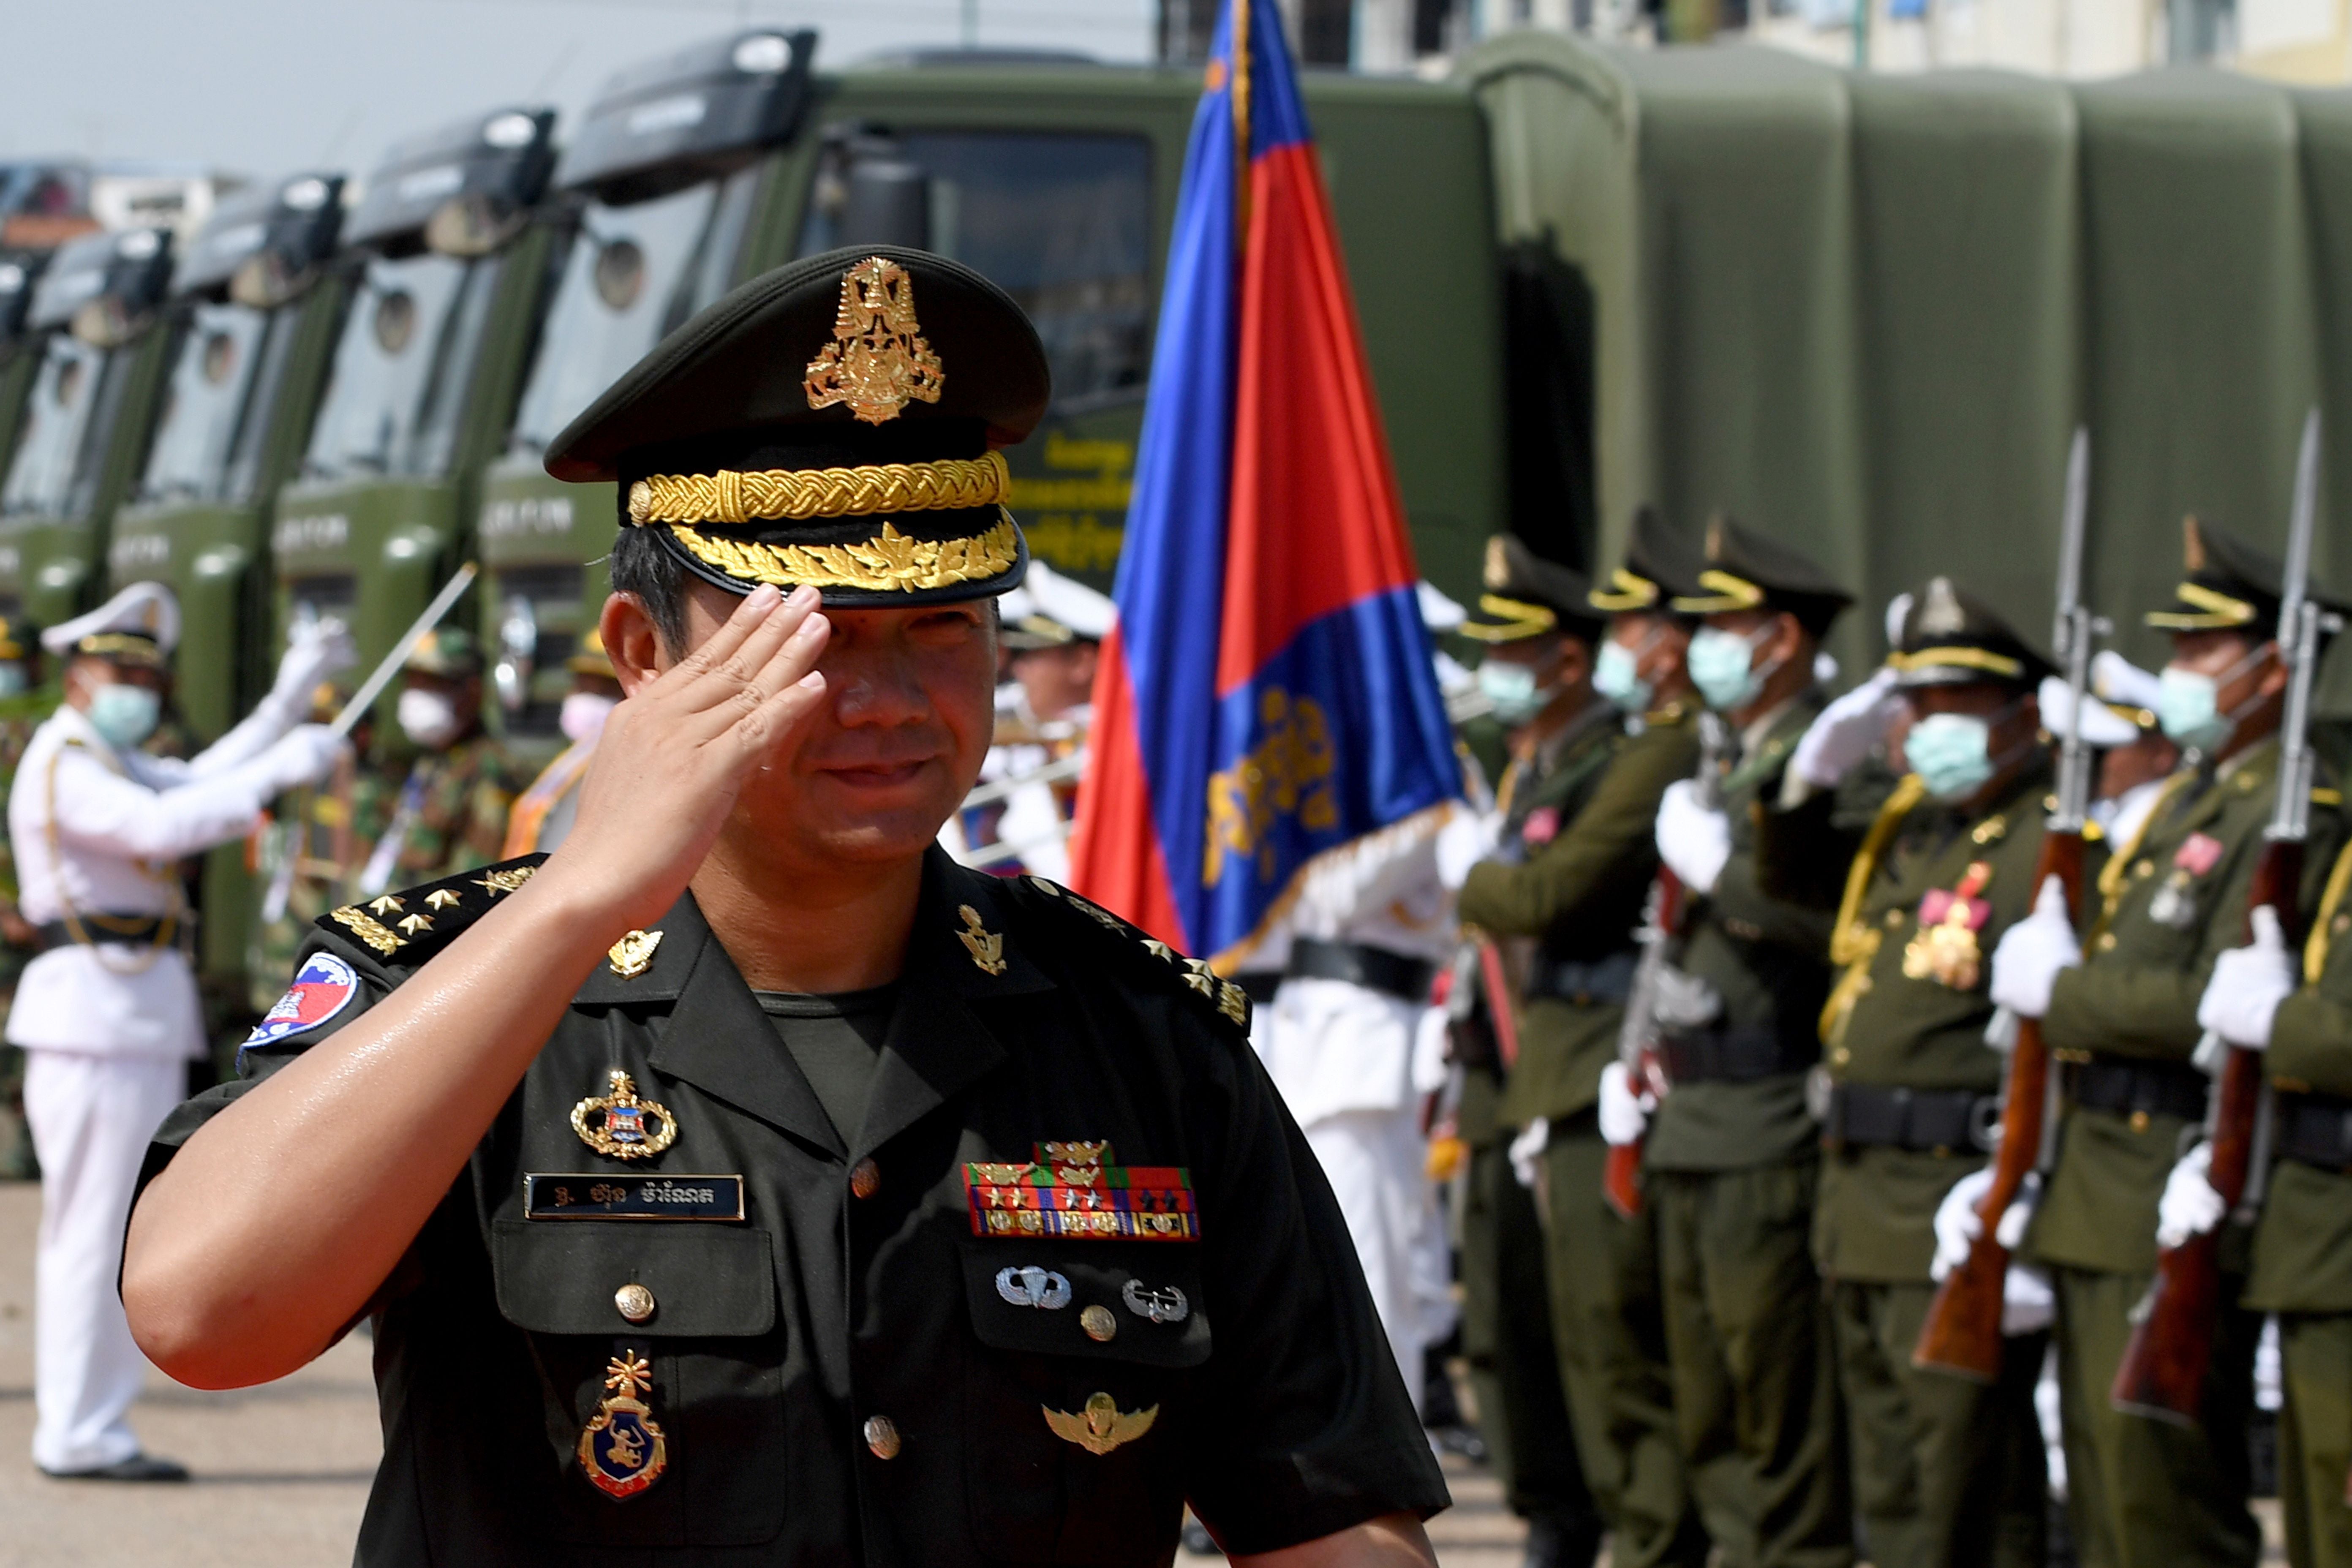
304 754
1527 1153
1846 732
1693 840
1467 837
2189 1206
2031 952
2248 984
317 650
2028 1305
1958 1226
1624 1112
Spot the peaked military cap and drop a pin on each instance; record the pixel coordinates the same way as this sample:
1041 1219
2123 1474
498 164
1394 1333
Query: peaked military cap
139 626
17 635
1746 571
449 652
834 423
1048 610
1952 638
1660 567
1527 596
2229 586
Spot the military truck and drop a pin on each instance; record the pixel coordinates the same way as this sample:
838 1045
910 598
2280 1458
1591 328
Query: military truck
1053 175
104 339
18 272
448 258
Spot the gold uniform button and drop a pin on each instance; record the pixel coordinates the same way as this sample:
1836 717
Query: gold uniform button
2139 1120
882 1436
1840 1056
2144 869
865 1178
1894 919
1099 1324
2106 942
634 1302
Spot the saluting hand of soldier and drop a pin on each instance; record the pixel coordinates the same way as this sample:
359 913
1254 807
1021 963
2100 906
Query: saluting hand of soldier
675 754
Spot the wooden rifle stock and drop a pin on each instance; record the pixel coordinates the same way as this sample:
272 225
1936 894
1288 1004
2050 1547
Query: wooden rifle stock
1962 1331
1498 981
2163 1370
1621 1171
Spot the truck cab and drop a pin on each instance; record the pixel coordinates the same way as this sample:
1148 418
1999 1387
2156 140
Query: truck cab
20 271
103 340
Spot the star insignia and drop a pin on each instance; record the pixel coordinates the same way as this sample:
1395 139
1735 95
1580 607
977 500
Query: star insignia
386 905
415 923
441 899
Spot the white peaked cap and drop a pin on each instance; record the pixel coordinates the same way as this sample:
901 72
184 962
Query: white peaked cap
1067 603
144 610
1438 613
2102 725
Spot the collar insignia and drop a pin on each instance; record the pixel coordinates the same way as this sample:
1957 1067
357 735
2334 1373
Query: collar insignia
986 947
633 954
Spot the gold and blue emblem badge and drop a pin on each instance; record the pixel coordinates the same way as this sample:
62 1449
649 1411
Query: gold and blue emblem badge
622 1450
620 1126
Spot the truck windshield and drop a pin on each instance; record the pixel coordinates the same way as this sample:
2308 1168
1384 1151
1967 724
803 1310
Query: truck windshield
635 273
224 375
1061 222
58 450
400 372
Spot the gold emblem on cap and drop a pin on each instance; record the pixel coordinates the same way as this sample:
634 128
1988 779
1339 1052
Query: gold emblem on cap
878 361
1102 1426
633 954
986 947
1498 562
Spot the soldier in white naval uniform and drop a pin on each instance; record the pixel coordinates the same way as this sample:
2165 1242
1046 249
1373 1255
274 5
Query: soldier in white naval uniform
108 1014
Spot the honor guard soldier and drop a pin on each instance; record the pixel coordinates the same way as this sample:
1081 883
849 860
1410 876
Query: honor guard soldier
1053 638
1947 1471
747 1183
23 705
2120 1012
1540 631
544 812
1733 1152
451 812
108 1014
1586 859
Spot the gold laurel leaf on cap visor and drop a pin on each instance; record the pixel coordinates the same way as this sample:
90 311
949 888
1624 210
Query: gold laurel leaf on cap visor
1730 593
2209 611
889 563
1627 591
878 361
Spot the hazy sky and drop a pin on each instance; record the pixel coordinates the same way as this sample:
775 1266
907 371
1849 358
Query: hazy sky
265 87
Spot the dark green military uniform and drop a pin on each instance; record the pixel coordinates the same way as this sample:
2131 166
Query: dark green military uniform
1945 1471
1733 1156
2303 1242
315 855
1577 890
452 810
2124 1021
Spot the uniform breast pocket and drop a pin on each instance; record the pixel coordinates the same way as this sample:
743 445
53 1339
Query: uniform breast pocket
1074 1402
661 1362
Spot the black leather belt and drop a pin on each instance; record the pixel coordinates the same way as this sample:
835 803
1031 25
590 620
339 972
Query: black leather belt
1374 968
1741 1055
2129 1087
135 930
1609 979
2314 1129
1928 1120
1259 985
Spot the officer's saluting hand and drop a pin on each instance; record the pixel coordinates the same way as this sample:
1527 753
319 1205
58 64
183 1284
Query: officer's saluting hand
746 1180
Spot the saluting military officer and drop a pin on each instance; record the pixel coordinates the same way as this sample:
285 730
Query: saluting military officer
1578 895
1734 1153
1539 627
2123 1016
1946 1471
746 1183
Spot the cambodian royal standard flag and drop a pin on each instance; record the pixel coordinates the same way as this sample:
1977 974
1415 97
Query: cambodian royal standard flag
1266 696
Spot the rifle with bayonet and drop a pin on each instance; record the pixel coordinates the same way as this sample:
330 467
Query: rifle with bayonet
2163 1369
1962 1330
1662 919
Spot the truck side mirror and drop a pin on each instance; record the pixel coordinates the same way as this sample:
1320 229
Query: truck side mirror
888 202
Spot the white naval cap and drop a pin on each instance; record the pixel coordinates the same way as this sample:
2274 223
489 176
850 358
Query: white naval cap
2121 707
139 626
1438 613
1049 609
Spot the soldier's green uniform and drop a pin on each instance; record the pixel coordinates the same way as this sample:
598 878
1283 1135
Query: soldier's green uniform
1734 1153
2125 1024
1945 1471
450 814
1524 1392
1576 888
2303 1242
316 855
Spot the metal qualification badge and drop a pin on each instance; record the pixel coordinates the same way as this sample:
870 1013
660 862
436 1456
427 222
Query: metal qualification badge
622 1450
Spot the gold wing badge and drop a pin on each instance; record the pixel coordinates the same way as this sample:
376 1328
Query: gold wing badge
1101 1427
986 947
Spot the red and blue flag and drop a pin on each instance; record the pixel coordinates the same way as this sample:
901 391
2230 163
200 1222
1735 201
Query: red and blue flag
1267 694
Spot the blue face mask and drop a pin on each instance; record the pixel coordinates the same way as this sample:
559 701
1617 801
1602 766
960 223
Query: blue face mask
1951 752
2188 705
124 714
12 679
1616 676
1512 689
1721 666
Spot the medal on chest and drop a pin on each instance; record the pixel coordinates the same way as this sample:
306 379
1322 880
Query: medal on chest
2173 903
620 1126
1946 948
622 1450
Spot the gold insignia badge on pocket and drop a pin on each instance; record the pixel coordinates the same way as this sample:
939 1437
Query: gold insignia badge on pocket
620 1126
622 1450
633 954
1101 1427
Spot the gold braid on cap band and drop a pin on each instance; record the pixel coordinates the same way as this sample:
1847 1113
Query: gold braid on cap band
2220 611
800 494
1992 663
127 647
1627 591
1731 594
891 562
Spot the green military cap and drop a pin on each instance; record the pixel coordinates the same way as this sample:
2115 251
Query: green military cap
2228 585
1746 571
449 652
1526 596
17 635
834 423
1952 638
590 658
1660 567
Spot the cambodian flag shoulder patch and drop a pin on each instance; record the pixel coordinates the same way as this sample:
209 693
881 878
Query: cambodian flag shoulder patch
322 987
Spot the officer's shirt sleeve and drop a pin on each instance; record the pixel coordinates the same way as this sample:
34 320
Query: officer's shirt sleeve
1303 1426
96 808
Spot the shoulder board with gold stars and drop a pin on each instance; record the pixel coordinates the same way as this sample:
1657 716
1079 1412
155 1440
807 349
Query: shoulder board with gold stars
406 927
1226 1000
